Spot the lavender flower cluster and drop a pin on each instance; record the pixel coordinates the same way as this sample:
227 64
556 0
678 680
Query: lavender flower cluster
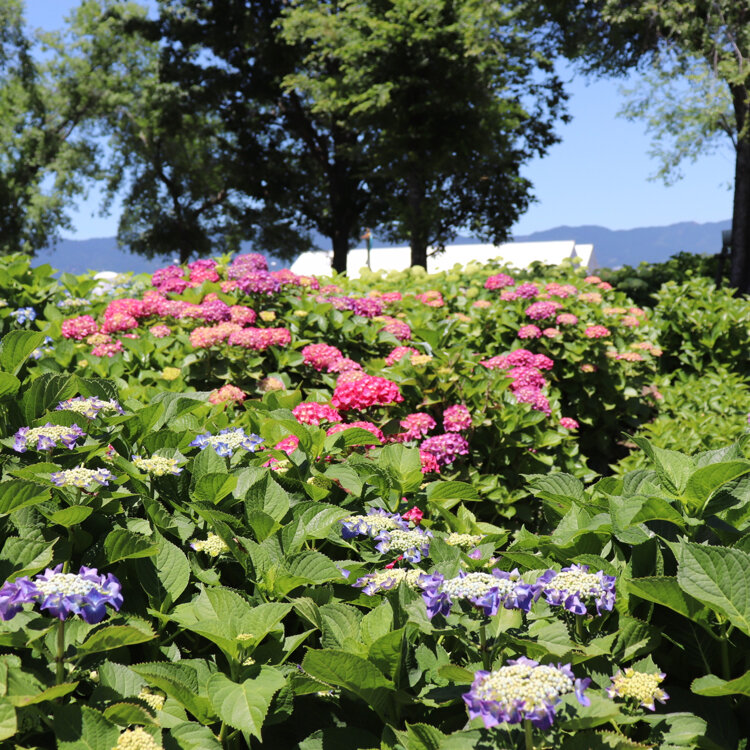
89 407
228 441
46 438
81 477
85 593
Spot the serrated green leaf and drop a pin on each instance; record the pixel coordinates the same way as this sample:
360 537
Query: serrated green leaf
172 568
714 686
706 481
421 737
672 467
123 680
180 681
446 494
349 437
194 737
244 705
557 491
82 728
71 515
456 674
8 723
122 544
9 385
318 518
717 576
355 674
113 636
125 714
50 694
20 493
212 488
16 347
665 591
404 465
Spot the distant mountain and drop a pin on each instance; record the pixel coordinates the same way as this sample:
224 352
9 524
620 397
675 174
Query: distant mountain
613 247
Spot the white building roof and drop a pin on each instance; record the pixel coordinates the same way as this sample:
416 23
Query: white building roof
516 254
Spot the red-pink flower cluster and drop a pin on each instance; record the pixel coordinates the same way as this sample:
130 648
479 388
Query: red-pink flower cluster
593 297
244 316
431 298
288 445
429 462
369 426
534 397
227 393
527 290
542 310
204 337
518 358
107 350
456 418
364 392
309 412
597 332
560 290
321 356
344 365
498 281
202 270
568 424
566 319
398 328
526 377
415 426
79 328
159 331
243 264
529 332
260 339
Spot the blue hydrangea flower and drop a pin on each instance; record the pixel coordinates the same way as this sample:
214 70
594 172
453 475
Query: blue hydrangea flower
24 314
523 689
487 591
574 588
385 580
412 544
81 477
89 406
228 441
85 593
46 438
376 521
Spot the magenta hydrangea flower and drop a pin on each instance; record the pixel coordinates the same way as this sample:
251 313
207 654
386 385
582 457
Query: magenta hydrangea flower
429 462
534 397
416 426
309 412
498 281
85 593
367 307
456 418
523 689
527 290
364 392
398 328
446 448
566 319
259 282
597 332
568 423
399 353
542 310
321 356
529 332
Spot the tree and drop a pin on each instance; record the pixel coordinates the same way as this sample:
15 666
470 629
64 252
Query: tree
612 35
44 158
449 98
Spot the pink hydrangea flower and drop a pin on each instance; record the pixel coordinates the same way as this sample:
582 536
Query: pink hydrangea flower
244 316
529 332
456 418
398 328
561 290
498 281
630 321
107 350
568 424
364 392
592 280
160 331
431 298
566 319
344 365
227 394
526 377
527 290
79 328
597 332
551 333
508 295
542 310
534 397
321 356
593 297
482 303
429 462
260 339
416 426
215 311
288 445
309 412
414 514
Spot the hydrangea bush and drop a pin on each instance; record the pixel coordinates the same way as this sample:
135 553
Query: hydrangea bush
210 544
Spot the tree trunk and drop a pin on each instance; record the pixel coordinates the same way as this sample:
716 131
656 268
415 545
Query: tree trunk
185 254
739 272
417 230
340 244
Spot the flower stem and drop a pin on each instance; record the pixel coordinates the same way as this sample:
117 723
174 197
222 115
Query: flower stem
580 633
483 647
60 656
528 731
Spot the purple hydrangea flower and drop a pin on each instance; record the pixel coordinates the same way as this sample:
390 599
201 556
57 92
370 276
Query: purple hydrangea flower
487 591
82 478
89 407
523 689
85 593
376 521
228 441
46 438
642 687
574 588
456 418
259 282
446 448
412 544
385 580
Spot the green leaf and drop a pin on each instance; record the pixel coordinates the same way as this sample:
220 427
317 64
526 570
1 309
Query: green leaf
450 493
122 544
635 638
704 482
123 680
46 392
714 686
125 714
634 510
82 728
114 636
211 488
667 592
20 493
71 516
421 737
50 694
173 568
717 576
558 491
350 436
318 518
355 674
16 347
191 736
9 385
180 681
404 465
8 723
456 674
244 706
673 468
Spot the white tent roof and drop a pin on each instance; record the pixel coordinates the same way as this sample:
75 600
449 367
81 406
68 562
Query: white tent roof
517 254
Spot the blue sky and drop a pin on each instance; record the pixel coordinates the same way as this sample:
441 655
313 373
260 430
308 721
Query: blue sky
598 174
